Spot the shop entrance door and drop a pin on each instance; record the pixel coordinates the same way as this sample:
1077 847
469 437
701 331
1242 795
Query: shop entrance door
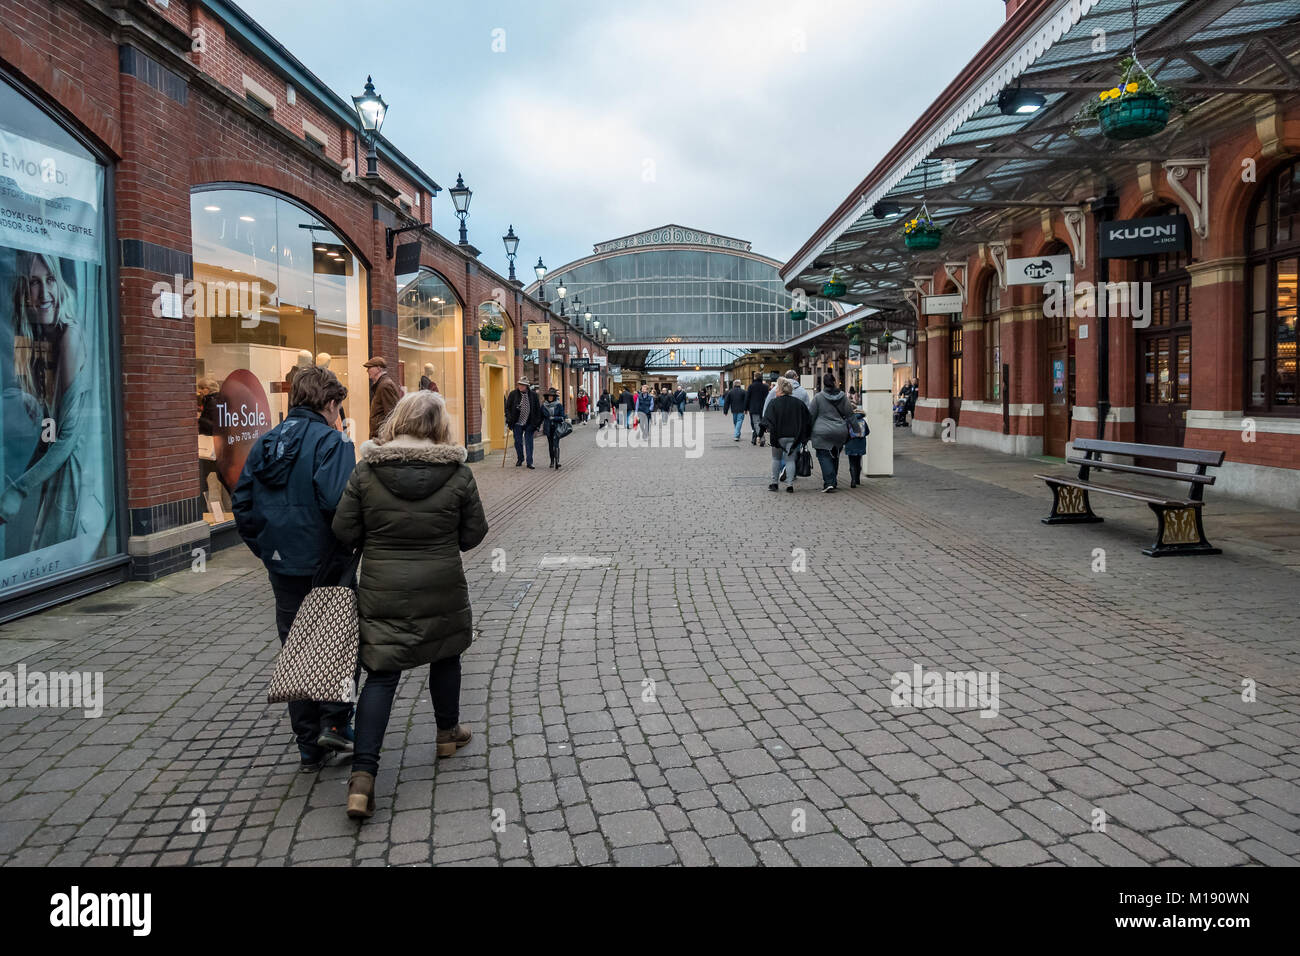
954 369
492 394
1056 408
1164 391
1164 355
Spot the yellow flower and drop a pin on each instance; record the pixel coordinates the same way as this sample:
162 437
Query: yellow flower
1131 88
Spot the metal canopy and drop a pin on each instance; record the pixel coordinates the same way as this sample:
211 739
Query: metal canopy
990 168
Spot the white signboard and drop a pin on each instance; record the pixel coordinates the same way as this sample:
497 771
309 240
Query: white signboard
49 200
1037 270
601 359
941 304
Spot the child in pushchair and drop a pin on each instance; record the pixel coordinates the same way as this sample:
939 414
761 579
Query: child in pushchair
900 411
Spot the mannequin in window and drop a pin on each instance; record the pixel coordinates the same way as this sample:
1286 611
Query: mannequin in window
323 360
427 384
304 361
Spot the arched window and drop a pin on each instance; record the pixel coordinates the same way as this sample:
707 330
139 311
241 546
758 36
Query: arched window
429 347
992 340
1273 266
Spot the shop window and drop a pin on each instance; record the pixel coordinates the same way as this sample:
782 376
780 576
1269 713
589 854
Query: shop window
429 342
992 341
1273 273
955 358
58 501
275 289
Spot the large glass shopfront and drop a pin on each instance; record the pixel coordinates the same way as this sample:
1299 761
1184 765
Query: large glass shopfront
496 373
429 343
59 505
275 289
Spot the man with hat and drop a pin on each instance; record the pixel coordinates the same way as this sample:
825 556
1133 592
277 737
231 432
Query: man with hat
523 417
384 393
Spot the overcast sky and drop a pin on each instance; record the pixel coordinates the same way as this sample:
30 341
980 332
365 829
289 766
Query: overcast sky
752 118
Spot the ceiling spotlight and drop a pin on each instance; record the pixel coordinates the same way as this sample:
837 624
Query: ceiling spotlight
886 210
1020 102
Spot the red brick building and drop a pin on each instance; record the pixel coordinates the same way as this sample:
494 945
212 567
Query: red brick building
195 205
1200 224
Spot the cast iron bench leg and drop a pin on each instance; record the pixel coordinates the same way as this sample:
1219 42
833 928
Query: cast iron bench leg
1070 506
1178 531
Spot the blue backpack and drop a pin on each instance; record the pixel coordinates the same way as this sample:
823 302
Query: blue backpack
858 426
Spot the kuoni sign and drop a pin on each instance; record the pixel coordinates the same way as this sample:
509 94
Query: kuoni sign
1144 237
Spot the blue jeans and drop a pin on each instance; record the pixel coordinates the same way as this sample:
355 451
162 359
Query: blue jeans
523 441
830 462
738 419
783 461
376 703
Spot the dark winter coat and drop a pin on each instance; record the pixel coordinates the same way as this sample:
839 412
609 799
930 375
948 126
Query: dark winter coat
736 401
787 418
286 495
384 396
412 506
552 414
534 410
755 396
830 414
679 399
664 401
604 404
857 446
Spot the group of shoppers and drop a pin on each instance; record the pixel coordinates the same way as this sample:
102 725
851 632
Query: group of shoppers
407 508
788 418
633 409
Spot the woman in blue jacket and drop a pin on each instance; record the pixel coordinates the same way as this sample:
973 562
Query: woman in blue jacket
283 505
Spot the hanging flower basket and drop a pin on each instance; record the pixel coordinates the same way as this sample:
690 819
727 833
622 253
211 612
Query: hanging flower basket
797 315
834 287
1134 116
1134 108
923 237
490 333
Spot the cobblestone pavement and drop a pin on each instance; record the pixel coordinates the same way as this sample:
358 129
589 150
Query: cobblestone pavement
770 626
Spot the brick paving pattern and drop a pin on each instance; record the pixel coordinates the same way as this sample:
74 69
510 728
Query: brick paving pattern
675 666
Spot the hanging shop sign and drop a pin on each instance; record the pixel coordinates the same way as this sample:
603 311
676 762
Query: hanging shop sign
408 258
539 335
601 360
1144 237
1037 270
941 304
559 348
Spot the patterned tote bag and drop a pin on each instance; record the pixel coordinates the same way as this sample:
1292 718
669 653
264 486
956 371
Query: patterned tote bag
319 658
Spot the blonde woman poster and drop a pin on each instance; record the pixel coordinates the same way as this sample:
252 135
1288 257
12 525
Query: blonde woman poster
54 425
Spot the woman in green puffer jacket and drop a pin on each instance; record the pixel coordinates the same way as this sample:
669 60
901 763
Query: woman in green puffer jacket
412 506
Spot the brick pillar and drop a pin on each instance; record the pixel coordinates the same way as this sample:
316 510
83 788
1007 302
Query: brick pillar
158 363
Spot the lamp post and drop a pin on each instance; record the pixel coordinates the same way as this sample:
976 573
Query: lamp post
371 109
511 242
540 269
460 197
561 291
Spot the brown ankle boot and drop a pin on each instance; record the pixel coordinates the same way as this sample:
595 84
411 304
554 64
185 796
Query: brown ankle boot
361 795
449 741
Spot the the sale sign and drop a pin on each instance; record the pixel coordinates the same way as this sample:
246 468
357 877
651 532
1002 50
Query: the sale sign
243 416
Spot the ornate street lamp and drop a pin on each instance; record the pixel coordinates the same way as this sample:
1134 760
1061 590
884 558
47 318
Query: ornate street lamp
512 248
561 291
540 269
460 197
371 110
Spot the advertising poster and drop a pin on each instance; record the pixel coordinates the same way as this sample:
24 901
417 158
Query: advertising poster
56 422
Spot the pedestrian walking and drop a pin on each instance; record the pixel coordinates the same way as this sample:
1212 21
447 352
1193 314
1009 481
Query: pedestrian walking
856 446
283 505
552 415
755 399
679 401
663 403
830 416
627 407
384 393
603 407
584 403
737 403
645 406
411 506
797 390
523 417
788 423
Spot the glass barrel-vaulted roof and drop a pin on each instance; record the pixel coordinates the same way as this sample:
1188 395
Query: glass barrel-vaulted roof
674 286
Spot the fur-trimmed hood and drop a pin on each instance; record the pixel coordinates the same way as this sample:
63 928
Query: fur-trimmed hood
412 468
404 449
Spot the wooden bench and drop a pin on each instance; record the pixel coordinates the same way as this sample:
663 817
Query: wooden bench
1179 528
